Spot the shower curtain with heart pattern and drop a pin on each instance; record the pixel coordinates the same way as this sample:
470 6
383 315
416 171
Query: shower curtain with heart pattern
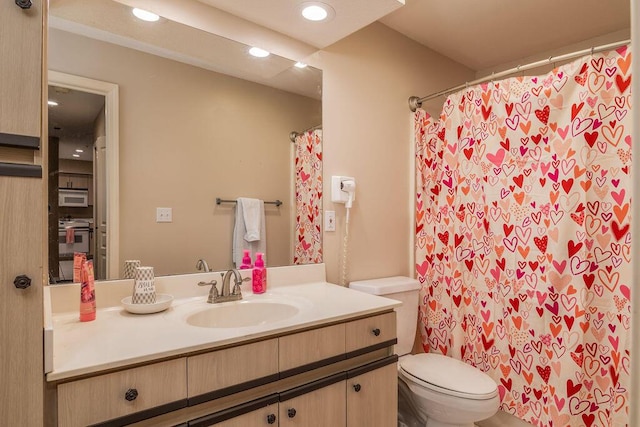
308 193
523 238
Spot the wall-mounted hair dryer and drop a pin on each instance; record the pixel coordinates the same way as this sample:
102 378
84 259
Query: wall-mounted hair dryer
343 190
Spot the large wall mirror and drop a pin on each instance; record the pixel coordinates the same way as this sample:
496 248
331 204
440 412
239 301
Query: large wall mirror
198 119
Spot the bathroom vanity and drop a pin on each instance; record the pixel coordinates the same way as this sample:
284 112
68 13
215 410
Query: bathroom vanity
321 356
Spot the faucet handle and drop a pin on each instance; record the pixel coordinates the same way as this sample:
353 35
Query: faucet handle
213 293
211 283
236 288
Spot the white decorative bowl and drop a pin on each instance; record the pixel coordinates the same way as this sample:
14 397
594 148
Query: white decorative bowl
163 301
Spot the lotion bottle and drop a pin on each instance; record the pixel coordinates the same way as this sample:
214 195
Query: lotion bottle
87 293
246 261
259 275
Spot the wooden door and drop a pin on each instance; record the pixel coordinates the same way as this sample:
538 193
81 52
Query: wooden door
22 217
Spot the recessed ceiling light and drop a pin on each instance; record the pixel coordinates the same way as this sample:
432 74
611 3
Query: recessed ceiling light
317 11
145 15
300 65
52 103
76 155
78 150
259 53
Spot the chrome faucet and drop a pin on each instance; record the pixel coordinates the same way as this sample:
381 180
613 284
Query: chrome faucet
226 293
202 265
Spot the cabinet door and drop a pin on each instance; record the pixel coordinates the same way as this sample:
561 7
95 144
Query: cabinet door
21 68
21 370
372 397
322 407
79 181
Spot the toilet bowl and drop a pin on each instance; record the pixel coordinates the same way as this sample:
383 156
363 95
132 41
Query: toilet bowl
434 390
446 391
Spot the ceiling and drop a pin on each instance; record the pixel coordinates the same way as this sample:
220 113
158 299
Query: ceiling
480 35
284 16
488 33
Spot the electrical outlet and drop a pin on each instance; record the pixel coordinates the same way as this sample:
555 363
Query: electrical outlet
329 220
164 215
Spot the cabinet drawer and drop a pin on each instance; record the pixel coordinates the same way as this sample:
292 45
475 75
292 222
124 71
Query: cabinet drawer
371 331
222 372
102 398
322 345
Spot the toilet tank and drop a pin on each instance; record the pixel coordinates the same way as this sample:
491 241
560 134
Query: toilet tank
404 289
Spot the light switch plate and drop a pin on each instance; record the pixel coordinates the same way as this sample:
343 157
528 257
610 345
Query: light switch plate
329 220
164 215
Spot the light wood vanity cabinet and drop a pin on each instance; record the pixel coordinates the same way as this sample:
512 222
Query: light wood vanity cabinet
371 395
370 332
215 374
305 378
103 397
297 351
315 405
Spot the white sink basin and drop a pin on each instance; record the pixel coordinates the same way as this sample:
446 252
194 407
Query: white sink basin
242 314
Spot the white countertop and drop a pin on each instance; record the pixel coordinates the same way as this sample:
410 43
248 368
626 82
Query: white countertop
117 338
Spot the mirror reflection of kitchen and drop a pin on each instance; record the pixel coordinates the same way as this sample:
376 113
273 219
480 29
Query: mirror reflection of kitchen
76 195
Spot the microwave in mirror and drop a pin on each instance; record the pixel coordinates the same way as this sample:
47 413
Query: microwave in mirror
73 198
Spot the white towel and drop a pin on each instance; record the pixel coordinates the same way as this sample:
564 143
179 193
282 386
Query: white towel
240 230
252 211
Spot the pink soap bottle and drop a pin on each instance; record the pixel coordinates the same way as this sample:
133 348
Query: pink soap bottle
259 275
246 261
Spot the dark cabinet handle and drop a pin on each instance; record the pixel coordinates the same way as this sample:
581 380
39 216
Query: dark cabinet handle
357 387
291 413
131 394
22 282
24 4
271 419
376 332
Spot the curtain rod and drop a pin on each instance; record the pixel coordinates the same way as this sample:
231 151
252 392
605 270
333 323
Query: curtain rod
293 135
415 102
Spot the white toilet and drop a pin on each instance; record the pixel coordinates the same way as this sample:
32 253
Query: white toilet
438 390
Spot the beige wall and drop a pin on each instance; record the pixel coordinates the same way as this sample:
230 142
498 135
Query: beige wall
367 79
368 128
187 136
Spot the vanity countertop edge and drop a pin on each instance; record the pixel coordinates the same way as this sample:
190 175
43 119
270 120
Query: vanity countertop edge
118 339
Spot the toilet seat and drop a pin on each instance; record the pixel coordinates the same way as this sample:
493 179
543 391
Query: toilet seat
448 376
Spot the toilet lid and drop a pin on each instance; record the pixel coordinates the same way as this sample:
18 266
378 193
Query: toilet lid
448 375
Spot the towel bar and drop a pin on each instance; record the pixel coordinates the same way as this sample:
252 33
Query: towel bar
219 201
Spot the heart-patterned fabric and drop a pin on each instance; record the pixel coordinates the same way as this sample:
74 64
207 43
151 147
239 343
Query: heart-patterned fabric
523 243
308 184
